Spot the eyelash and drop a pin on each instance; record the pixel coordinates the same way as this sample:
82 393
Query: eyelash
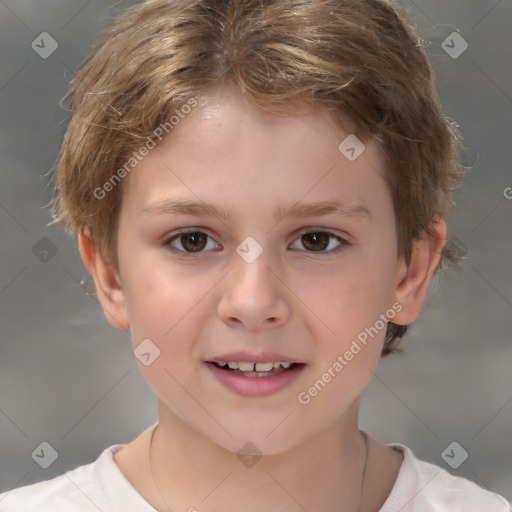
342 242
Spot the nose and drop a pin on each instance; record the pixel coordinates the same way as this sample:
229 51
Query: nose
253 296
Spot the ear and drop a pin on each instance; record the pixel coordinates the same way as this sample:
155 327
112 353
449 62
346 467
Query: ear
414 278
107 281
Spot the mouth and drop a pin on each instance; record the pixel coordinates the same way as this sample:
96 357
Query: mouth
248 369
264 375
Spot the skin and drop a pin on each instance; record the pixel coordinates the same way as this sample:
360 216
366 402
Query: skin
306 304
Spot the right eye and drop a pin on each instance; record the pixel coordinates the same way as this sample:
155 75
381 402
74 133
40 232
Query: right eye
191 241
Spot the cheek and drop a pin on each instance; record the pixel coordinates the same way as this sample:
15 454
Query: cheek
164 319
349 350
169 309
157 299
349 299
349 310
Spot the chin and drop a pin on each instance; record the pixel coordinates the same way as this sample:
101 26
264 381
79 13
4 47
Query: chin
258 441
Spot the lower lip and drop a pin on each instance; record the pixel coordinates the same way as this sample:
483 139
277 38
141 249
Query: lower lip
255 386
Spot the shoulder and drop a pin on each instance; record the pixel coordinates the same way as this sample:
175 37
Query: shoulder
425 487
56 494
88 488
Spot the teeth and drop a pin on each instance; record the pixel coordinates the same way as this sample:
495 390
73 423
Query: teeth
244 366
264 367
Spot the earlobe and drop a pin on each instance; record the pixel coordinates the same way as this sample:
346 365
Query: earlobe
413 279
107 281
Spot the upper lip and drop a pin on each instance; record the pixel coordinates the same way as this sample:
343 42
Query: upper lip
262 357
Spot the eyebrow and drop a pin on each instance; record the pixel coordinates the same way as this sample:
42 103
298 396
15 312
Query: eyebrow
321 208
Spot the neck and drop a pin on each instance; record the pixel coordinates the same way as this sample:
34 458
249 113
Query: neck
326 472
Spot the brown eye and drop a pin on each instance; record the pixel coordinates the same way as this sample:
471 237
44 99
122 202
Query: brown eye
190 242
316 241
193 242
319 242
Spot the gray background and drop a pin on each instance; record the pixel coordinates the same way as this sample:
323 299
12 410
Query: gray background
68 378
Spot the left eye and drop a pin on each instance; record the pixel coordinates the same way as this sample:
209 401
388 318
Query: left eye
318 241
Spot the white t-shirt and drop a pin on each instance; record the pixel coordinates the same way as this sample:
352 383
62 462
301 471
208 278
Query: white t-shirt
100 486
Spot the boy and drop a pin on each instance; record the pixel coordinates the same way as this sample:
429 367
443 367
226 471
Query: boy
259 190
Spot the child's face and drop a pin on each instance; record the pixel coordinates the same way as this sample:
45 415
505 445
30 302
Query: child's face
300 299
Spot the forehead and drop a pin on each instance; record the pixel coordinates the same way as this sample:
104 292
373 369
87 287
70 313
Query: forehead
228 144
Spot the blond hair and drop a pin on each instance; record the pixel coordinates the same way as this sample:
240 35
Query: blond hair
361 60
